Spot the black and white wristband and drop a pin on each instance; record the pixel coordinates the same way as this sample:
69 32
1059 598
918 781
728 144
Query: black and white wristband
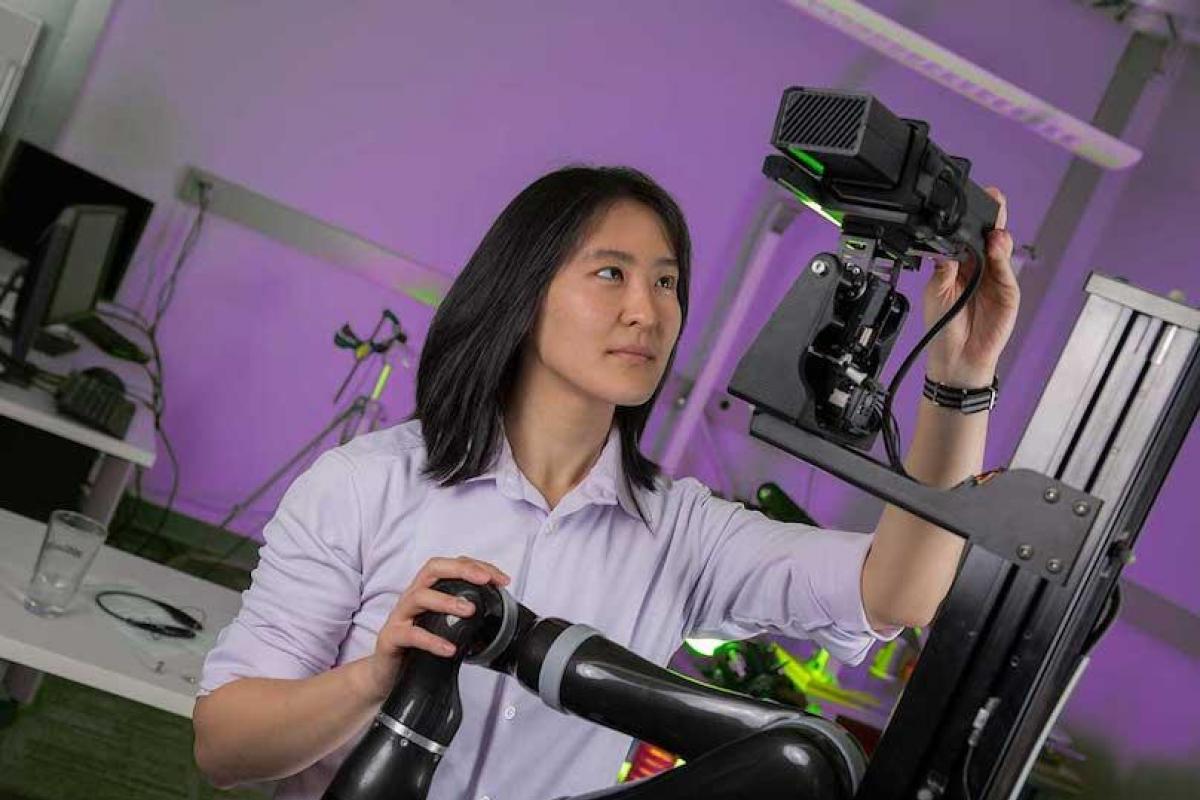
968 401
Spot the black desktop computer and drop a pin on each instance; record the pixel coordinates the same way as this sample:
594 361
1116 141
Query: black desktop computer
59 283
62 279
35 189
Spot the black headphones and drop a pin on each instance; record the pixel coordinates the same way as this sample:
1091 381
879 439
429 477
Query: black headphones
186 629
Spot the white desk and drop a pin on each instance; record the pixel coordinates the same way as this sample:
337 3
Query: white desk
89 647
35 407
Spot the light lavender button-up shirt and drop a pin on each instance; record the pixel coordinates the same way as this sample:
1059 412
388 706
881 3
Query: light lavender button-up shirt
352 531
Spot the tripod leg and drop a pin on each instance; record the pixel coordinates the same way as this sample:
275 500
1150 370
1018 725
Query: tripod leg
304 451
778 763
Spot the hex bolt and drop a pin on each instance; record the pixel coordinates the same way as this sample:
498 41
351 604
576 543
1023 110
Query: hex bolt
1081 509
1025 552
1050 495
1054 566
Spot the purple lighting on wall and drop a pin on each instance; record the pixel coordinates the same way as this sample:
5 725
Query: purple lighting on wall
412 125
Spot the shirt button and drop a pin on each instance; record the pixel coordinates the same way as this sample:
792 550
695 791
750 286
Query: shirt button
510 712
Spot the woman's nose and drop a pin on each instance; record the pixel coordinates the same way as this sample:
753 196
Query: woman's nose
639 305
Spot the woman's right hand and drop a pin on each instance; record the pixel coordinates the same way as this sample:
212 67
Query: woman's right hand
399 634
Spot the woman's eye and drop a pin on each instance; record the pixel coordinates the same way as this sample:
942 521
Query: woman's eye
616 270
668 281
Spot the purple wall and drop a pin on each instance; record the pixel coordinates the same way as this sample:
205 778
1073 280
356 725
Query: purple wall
413 125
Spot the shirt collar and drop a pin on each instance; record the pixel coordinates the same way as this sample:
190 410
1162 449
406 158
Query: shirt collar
604 484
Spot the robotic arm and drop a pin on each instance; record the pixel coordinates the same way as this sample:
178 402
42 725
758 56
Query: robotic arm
813 376
733 744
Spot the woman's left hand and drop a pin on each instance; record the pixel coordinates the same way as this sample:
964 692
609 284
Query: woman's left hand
966 351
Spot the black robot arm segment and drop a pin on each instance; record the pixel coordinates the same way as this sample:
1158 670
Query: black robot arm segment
574 669
398 755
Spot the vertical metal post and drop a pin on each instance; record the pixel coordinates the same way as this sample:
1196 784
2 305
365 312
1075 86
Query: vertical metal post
778 220
1077 193
1111 419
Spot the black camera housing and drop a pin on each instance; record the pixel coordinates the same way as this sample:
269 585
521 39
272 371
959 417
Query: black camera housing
897 198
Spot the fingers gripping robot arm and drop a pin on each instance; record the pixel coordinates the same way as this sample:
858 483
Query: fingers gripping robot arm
732 744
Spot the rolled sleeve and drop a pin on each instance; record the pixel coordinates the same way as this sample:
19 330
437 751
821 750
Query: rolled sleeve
757 575
306 588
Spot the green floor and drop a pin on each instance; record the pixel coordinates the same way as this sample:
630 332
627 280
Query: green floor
78 743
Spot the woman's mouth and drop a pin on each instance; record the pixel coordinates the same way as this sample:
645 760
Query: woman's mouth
632 356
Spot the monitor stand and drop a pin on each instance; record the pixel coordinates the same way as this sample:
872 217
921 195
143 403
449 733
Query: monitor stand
18 373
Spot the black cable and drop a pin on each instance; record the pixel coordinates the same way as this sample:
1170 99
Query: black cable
134 319
186 629
982 716
149 328
165 295
157 406
166 292
891 428
160 410
1112 607
966 784
166 512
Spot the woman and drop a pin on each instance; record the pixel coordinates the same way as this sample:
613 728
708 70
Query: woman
521 466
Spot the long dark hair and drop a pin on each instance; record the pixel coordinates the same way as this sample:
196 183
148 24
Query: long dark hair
472 353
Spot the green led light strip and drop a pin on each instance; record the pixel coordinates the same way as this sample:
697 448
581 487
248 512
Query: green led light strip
807 160
835 217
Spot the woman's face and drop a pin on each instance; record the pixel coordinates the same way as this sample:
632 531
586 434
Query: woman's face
611 314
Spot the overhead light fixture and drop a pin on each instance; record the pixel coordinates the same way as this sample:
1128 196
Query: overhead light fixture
971 81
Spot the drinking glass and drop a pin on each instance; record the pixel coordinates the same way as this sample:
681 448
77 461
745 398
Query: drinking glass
71 543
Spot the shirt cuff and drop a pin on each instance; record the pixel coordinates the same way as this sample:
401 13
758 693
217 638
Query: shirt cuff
241 653
844 587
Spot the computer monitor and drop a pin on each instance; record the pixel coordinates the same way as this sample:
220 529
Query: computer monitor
35 188
63 280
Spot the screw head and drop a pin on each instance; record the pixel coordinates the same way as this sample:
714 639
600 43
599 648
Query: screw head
1054 566
1081 509
1050 495
819 268
1025 552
